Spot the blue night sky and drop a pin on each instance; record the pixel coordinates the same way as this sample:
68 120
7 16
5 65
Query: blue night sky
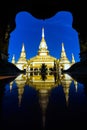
57 29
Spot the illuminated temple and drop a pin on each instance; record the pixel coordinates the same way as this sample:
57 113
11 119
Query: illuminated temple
43 87
43 56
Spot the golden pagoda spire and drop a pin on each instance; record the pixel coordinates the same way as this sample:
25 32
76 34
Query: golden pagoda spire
73 60
13 59
43 46
42 32
63 53
23 54
22 59
63 58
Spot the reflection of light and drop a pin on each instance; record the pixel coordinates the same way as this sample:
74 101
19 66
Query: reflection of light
20 81
66 82
43 89
43 100
11 83
76 85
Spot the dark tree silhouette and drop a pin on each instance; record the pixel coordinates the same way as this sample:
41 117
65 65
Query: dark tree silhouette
43 71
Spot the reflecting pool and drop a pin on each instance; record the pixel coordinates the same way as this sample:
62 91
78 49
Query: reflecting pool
42 103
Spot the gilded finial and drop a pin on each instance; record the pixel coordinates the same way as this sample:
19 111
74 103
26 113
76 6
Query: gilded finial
73 60
13 59
43 32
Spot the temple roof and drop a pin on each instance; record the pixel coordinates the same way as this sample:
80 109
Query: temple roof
46 58
43 53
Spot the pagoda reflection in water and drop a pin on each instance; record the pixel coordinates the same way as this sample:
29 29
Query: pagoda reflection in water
43 88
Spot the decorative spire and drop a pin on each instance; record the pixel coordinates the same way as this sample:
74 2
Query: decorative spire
23 54
23 48
73 60
64 62
22 59
63 49
42 32
43 46
13 59
63 53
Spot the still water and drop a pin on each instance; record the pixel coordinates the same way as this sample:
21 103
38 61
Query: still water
29 102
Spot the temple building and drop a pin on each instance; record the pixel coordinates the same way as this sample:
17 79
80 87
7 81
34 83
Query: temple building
34 64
